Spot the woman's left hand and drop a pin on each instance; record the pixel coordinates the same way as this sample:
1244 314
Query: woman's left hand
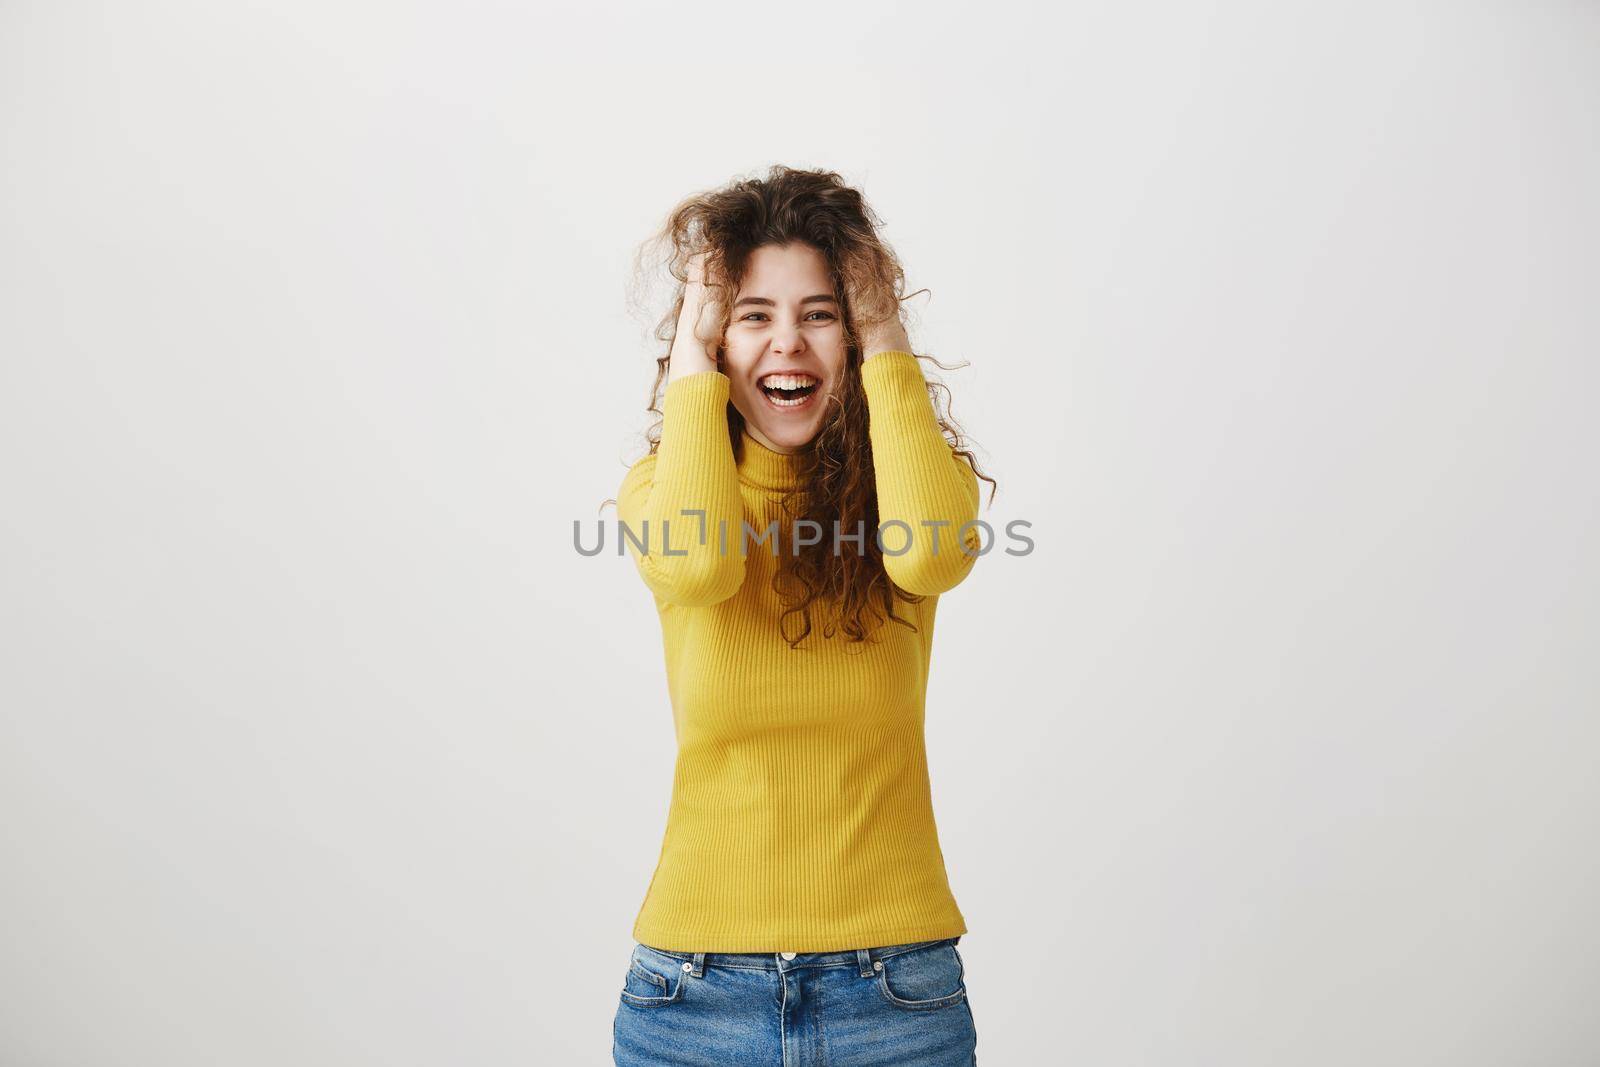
886 336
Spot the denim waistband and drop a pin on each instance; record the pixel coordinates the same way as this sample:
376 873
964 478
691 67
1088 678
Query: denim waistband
862 958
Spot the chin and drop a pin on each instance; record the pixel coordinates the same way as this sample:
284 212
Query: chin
788 435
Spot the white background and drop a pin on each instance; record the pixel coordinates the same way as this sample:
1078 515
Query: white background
321 745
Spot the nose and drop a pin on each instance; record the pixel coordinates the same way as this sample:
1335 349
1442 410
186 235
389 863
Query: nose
788 340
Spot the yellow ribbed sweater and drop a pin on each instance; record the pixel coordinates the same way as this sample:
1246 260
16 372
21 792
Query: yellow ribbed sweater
801 817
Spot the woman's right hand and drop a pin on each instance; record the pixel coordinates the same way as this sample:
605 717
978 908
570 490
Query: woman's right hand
695 344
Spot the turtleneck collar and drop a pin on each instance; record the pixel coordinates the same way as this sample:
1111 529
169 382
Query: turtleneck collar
763 468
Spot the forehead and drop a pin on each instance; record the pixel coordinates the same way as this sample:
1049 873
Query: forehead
775 270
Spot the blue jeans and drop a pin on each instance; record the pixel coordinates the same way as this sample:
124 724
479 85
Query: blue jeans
895 1006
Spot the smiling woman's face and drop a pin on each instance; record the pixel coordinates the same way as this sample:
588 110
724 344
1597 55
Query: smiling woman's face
785 345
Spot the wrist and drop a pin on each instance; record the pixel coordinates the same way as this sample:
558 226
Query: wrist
682 368
885 341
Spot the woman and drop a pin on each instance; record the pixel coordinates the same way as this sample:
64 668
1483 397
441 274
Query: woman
799 912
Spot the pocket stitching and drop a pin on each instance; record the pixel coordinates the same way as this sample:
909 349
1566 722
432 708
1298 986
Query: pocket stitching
931 1003
648 975
674 991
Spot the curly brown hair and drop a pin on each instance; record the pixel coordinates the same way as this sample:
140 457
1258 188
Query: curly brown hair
836 480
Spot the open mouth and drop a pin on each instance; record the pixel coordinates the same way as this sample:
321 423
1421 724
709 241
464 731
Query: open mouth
788 390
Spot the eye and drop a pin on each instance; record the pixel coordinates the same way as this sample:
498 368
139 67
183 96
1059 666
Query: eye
827 316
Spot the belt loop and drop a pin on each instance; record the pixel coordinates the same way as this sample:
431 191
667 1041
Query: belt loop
864 959
699 965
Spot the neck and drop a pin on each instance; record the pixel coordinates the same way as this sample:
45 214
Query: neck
765 467
761 437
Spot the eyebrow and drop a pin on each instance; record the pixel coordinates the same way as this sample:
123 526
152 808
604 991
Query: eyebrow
820 298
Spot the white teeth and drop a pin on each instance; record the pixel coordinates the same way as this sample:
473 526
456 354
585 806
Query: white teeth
787 381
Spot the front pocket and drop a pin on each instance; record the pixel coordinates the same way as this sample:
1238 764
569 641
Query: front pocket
923 979
644 987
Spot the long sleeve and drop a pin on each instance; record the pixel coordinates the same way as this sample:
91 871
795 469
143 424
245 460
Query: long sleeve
692 470
801 815
921 480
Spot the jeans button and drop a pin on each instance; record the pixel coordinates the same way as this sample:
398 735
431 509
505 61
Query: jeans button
787 955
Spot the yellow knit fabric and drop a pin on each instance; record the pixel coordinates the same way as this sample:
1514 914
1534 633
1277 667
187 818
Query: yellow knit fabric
801 818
